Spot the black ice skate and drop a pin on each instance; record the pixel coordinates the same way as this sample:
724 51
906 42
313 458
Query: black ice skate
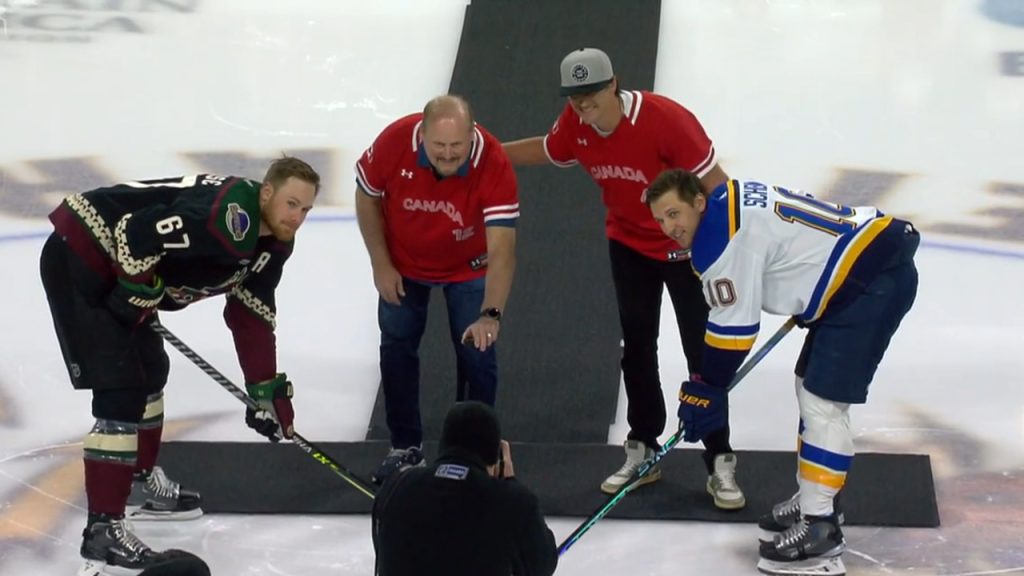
110 548
156 497
812 546
786 513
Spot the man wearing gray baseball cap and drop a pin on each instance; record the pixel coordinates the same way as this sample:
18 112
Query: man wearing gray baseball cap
624 138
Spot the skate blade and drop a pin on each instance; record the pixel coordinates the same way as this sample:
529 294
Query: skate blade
101 568
813 567
148 515
91 568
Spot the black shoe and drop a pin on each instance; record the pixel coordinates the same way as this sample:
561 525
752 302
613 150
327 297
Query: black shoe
398 459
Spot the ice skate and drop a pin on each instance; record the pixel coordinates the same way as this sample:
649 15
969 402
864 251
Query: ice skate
154 496
111 549
813 545
786 513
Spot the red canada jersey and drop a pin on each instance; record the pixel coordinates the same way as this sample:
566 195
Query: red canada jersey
435 227
655 134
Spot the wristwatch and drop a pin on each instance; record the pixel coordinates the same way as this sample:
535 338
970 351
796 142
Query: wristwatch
492 313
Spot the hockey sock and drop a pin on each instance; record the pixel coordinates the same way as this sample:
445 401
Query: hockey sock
110 454
150 431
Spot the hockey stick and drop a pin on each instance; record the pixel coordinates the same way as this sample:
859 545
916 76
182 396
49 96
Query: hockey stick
307 447
648 464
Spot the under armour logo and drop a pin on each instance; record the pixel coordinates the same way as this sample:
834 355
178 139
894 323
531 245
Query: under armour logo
407 174
581 141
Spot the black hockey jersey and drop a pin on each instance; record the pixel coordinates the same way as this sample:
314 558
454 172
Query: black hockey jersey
201 235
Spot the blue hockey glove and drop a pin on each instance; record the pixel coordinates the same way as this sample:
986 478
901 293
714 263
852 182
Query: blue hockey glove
703 409
276 415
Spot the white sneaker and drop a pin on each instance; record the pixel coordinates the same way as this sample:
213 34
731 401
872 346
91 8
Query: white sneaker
722 484
636 453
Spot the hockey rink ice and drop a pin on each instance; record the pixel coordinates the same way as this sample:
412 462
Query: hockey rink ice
919 104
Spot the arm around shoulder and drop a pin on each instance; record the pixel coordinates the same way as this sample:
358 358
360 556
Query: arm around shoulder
526 152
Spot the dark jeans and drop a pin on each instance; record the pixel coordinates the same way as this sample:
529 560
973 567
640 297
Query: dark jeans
401 329
639 283
842 350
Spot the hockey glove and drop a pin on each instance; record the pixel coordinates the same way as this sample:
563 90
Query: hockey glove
275 418
703 409
133 303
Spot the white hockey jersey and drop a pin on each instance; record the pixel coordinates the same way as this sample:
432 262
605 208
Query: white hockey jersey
762 247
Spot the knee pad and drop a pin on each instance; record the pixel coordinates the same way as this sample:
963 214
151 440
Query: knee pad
826 423
112 441
826 442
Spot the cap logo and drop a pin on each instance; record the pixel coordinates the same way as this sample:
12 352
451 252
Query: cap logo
580 73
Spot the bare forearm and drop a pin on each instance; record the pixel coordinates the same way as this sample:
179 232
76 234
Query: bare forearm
714 178
526 152
500 271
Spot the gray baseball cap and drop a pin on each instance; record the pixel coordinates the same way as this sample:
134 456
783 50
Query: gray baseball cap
585 70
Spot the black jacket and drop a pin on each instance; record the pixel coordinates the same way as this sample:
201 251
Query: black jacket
452 518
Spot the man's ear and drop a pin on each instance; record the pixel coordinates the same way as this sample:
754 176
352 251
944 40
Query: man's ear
266 191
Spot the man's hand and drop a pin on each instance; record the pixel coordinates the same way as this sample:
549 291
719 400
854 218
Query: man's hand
482 334
132 303
276 416
504 468
703 409
389 283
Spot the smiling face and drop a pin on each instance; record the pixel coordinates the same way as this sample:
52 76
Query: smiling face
601 108
284 209
678 218
447 141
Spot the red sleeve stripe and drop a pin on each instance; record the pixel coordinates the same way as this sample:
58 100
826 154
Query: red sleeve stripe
707 164
361 180
556 162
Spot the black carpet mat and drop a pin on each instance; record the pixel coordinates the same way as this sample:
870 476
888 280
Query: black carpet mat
882 490
558 357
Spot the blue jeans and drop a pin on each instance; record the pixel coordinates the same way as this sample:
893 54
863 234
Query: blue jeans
843 349
401 329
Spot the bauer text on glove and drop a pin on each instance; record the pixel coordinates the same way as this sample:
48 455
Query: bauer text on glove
703 409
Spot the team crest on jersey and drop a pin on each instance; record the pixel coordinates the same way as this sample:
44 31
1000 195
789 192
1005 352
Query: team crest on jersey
237 220
580 72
